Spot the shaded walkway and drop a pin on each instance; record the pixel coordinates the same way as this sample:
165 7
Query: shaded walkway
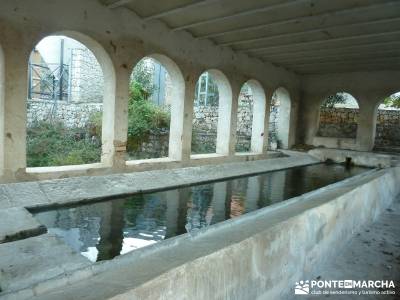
372 254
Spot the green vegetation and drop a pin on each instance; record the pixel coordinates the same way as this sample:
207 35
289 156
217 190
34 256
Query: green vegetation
393 101
144 117
52 144
332 100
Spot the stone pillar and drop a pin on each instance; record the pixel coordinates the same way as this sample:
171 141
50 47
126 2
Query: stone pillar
366 125
308 120
180 140
115 114
115 121
260 126
225 131
228 130
13 111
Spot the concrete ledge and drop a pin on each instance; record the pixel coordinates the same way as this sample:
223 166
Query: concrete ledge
367 159
332 142
149 161
260 254
81 189
101 169
17 223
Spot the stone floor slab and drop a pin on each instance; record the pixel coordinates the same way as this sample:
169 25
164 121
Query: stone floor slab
27 262
17 223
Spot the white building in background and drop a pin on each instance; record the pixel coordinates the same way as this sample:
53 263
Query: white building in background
85 77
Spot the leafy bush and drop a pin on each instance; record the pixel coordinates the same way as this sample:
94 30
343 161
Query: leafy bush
332 100
393 101
52 144
144 117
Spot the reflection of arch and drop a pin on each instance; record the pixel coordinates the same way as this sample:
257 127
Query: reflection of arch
108 71
283 124
177 105
2 107
258 124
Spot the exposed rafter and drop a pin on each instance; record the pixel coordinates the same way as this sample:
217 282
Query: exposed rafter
362 35
338 57
346 68
180 9
321 42
301 33
119 3
335 14
240 14
313 52
392 59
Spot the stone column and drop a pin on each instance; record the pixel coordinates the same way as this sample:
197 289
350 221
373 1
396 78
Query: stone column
13 111
366 124
115 116
308 120
228 133
180 139
260 125
118 120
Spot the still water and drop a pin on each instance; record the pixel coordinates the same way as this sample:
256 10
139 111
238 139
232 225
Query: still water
106 229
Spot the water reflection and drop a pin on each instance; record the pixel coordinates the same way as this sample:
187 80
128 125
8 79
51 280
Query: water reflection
104 230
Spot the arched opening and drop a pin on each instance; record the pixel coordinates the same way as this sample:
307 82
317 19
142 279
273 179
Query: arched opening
279 120
155 109
387 132
250 118
70 84
338 116
211 114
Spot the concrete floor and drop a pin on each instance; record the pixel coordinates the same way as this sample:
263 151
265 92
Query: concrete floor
372 254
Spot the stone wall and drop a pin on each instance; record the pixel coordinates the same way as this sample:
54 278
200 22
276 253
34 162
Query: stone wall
155 145
338 122
388 128
86 77
205 120
342 123
71 114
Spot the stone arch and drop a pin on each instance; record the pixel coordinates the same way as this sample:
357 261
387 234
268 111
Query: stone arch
338 116
387 124
257 118
223 126
108 93
177 96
